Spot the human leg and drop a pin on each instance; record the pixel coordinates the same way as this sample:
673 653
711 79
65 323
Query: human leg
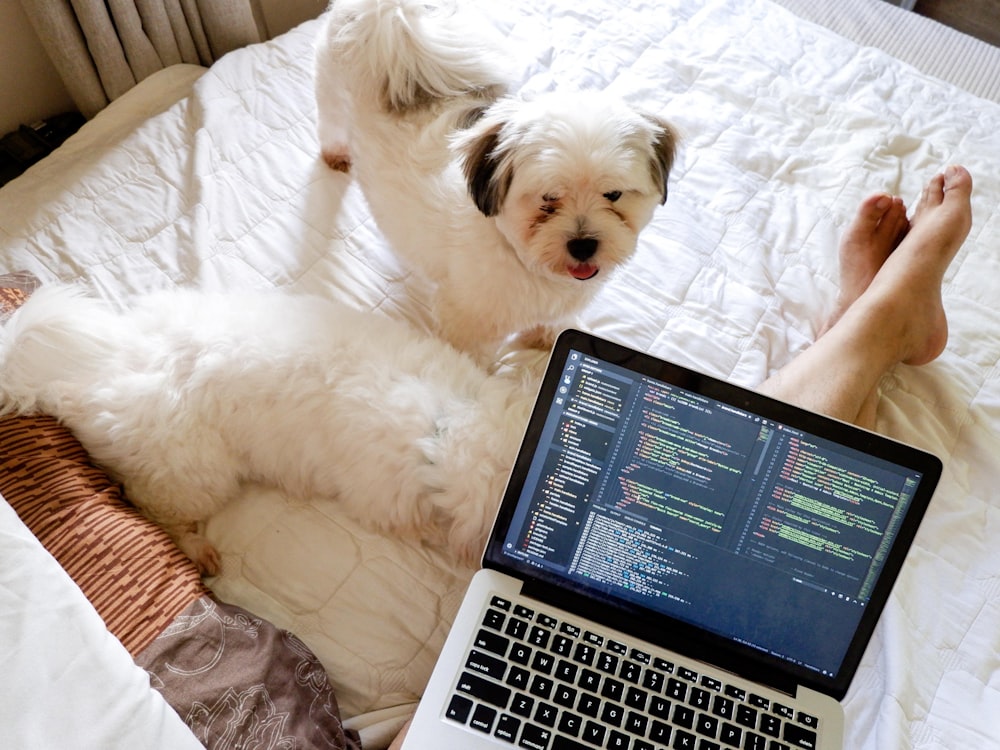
896 314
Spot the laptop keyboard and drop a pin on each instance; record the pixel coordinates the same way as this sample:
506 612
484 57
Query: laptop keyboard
534 681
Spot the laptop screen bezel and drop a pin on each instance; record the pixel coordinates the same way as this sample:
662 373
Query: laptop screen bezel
671 633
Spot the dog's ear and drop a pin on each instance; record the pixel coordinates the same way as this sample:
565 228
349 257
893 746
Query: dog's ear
664 151
487 177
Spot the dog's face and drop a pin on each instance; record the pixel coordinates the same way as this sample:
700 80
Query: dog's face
570 179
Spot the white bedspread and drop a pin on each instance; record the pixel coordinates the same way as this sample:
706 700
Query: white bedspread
786 127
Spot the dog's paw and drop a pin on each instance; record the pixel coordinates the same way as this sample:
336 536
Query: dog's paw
337 159
201 551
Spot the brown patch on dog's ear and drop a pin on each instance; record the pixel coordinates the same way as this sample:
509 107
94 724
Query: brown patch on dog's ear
664 151
487 181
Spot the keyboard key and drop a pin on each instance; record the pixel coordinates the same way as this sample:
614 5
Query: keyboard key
613 714
492 642
522 705
541 686
687 674
486 664
640 656
589 680
798 736
547 621
566 671
459 708
636 698
613 689
653 680
746 716
759 701
565 743
520 654
630 672
707 726
483 689
607 663
617 741
684 716
659 733
562 646
564 695
659 707
482 718
543 662
770 725
507 727
571 630
546 714
663 665
724 708
500 603
676 689
806 720
535 737
594 733
539 637
494 619
521 611
518 678
589 705
730 734
710 683
636 723
783 711
617 647
516 628
584 654
735 692
593 638
700 698
752 741
570 723
684 741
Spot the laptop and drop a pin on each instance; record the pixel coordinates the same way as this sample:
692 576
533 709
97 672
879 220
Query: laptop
677 562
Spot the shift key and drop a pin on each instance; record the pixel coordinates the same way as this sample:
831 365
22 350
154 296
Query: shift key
483 689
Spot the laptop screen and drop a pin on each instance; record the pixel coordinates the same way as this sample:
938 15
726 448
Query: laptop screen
655 490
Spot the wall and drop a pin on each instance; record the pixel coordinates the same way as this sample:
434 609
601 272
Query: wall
30 88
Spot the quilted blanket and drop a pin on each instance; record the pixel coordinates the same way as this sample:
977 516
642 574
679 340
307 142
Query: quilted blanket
785 128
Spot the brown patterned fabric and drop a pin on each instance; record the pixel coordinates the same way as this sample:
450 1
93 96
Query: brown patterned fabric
238 681
14 290
130 570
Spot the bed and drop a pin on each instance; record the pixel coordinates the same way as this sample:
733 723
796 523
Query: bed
211 178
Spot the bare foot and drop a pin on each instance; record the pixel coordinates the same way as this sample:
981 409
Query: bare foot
909 282
878 227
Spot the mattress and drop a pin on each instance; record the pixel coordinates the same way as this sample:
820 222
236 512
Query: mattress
215 182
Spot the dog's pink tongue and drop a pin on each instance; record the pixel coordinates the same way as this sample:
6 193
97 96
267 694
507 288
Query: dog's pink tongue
583 271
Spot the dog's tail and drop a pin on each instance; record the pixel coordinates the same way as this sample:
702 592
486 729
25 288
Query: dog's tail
412 52
58 336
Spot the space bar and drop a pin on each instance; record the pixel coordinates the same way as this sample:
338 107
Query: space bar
564 743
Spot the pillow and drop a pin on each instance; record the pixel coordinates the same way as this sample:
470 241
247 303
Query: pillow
135 576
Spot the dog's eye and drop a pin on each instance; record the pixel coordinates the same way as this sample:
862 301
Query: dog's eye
613 195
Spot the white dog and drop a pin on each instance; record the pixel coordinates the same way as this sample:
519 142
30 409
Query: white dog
516 210
187 395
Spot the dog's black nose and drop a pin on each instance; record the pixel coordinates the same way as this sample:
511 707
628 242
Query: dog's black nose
582 248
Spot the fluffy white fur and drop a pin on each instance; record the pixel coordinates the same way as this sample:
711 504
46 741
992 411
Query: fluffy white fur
517 210
187 395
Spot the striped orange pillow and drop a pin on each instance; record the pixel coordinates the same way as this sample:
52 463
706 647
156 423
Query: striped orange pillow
130 570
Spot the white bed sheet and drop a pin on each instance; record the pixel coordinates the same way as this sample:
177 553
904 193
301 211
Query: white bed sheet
786 127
